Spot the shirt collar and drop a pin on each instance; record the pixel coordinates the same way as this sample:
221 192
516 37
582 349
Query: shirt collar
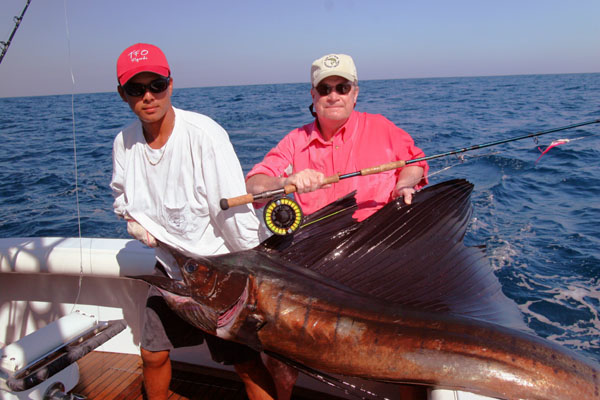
346 131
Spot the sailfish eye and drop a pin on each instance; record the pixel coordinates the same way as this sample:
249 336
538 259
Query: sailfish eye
190 267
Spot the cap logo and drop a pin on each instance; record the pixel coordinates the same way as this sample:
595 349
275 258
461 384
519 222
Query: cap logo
331 61
138 55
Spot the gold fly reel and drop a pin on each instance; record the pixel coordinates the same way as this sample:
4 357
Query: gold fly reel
283 216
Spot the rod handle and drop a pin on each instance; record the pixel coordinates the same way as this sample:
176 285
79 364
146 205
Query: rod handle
250 198
287 189
331 179
236 201
383 167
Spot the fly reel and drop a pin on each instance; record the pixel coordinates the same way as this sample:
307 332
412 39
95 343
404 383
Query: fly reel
283 216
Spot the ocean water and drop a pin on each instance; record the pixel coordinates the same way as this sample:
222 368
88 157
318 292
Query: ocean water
540 222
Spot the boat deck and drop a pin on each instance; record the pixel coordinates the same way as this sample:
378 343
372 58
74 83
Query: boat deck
115 376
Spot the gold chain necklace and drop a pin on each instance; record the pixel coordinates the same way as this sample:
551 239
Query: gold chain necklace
164 150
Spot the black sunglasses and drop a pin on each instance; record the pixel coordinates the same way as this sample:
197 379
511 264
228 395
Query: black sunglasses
139 89
341 88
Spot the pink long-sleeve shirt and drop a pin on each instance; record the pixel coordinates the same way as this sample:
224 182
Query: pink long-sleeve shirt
365 140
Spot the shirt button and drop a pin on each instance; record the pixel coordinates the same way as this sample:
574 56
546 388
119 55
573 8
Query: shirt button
337 147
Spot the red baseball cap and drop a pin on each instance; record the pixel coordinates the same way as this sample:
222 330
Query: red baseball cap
141 57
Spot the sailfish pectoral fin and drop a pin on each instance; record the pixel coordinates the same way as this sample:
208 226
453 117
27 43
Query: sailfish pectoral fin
352 386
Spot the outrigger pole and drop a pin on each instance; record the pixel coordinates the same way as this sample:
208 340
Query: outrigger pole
17 23
249 198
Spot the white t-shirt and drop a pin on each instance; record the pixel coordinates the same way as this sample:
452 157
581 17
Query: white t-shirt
174 191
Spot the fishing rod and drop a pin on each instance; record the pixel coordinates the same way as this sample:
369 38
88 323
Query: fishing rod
283 216
17 23
287 189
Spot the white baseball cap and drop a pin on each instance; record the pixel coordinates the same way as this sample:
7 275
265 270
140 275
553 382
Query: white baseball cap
333 65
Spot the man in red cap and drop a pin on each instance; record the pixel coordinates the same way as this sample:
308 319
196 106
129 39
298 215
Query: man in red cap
170 169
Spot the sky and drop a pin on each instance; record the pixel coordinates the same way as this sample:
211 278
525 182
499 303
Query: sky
240 42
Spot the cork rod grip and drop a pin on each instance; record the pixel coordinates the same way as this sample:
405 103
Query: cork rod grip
331 179
383 167
249 198
236 201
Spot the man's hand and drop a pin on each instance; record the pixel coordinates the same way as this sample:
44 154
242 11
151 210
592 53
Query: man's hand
405 186
404 192
138 232
307 180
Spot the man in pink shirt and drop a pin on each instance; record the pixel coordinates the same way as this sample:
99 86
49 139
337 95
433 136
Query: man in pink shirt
340 140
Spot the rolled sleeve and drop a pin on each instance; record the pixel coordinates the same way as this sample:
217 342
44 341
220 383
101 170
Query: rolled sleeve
278 160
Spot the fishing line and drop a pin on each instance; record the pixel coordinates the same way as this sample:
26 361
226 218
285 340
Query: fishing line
554 143
324 217
462 160
75 159
489 144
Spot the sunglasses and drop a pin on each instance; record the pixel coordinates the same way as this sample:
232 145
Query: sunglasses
341 88
139 89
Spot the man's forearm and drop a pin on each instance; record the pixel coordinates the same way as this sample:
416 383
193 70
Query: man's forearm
410 176
261 183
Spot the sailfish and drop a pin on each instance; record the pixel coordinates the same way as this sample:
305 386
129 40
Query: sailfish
395 298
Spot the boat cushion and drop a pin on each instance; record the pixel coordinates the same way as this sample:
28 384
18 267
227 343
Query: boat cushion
18 355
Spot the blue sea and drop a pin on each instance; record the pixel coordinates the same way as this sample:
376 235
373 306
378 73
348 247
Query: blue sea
540 222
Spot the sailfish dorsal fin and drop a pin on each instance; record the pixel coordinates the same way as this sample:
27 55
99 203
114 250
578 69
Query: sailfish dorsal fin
410 255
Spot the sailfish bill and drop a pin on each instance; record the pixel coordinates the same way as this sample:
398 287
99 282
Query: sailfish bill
397 297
